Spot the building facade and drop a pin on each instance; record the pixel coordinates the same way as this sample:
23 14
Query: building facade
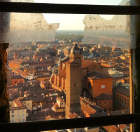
75 74
74 81
18 112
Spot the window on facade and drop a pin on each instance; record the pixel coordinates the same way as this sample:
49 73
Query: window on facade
122 100
102 86
119 98
125 101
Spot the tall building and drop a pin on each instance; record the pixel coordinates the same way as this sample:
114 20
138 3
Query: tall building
18 112
76 75
74 81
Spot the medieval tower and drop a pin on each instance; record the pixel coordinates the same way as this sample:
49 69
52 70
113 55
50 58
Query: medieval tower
74 81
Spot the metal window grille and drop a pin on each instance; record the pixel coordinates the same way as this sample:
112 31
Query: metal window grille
72 9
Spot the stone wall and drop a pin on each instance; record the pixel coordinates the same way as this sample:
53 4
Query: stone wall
4 101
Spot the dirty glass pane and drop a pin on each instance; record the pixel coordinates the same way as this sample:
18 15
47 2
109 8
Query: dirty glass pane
101 29
33 27
26 27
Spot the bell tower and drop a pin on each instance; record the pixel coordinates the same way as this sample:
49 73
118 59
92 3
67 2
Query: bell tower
76 54
74 81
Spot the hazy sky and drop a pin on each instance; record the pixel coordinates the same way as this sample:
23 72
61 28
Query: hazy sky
74 21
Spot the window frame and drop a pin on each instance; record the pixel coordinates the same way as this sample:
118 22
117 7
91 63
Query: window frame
25 7
73 9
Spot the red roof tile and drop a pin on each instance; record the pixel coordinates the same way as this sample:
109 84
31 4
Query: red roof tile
18 103
87 109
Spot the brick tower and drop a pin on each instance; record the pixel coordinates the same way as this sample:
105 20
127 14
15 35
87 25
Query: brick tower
73 81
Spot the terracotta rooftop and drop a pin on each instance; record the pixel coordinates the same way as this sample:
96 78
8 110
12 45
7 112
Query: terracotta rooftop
43 76
12 86
73 115
17 108
91 104
114 128
22 73
87 109
97 75
32 63
104 97
17 77
122 90
119 112
18 103
24 99
39 98
19 85
91 66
